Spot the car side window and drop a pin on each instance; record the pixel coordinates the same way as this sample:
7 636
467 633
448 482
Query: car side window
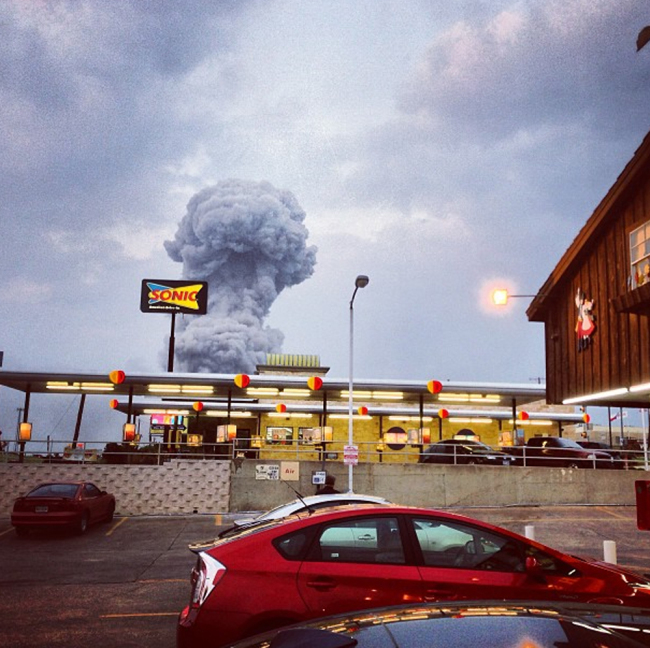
292 546
90 490
446 543
359 540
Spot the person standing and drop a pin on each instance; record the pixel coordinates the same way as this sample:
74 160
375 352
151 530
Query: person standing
328 487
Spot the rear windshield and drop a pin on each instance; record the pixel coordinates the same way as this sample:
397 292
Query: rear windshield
54 490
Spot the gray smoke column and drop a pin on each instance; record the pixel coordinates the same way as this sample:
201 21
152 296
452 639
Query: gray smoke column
247 239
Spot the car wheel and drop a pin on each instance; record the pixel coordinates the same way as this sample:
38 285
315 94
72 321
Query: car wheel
110 514
471 462
573 465
82 524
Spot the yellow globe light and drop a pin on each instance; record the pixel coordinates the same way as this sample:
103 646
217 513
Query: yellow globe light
315 383
242 380
117 377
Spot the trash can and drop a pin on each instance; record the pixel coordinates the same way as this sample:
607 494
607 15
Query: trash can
642 488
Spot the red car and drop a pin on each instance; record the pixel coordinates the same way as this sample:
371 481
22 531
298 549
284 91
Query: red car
70 504
341 560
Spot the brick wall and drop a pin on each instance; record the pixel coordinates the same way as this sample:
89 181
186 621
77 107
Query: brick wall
175 487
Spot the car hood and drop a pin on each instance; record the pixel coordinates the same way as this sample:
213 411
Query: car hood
628 574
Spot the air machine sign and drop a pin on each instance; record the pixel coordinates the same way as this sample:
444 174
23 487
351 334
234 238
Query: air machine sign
160 296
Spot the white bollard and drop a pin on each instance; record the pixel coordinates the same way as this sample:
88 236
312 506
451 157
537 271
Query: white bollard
609 551
529 531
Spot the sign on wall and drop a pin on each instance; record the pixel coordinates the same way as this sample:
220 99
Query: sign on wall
267 472
290 471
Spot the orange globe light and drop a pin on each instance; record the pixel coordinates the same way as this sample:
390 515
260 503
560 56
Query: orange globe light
363 411
280 407
523 416
242 380
434 386
315 383
443 413
586 418
117 377
113 403
197 406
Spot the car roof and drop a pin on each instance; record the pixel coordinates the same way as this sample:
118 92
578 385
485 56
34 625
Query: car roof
312 500
341 512
64 482
341 629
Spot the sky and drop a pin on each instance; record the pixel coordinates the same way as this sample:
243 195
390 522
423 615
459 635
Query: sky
440 148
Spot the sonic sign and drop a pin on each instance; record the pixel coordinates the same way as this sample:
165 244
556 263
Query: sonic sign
159 296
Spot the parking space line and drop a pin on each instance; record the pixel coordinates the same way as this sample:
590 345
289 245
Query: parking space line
9 530
116 525
615 514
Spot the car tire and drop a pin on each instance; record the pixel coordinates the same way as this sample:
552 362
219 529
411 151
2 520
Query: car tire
82 524
573 465
110 514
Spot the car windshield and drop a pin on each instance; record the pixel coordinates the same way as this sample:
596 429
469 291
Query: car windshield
54 490
569 443
478 447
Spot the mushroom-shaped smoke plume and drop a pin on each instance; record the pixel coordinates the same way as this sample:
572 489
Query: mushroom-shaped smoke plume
248 241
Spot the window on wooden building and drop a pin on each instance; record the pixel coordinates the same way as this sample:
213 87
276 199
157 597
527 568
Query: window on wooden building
640 255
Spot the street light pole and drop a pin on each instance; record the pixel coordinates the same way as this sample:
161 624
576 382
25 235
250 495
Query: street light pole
360 282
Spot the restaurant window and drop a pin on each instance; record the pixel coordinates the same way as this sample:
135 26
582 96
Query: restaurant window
640 255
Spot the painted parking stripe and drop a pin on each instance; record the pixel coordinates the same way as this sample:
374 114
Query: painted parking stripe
116 525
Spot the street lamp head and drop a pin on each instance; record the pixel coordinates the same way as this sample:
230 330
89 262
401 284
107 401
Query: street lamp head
500 296
361 281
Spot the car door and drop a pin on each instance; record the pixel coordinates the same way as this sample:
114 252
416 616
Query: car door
463 562
357 563
93 502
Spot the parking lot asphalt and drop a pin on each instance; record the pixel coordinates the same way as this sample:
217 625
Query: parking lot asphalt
123 584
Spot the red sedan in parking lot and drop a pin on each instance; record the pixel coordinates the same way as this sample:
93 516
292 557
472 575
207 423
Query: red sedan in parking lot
341 560
75 504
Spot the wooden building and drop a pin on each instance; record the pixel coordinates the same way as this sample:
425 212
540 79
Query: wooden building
595 305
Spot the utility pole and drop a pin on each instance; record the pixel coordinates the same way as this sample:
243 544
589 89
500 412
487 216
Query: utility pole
20 411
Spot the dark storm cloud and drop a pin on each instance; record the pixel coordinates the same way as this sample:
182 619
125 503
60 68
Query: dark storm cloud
248 241
84 86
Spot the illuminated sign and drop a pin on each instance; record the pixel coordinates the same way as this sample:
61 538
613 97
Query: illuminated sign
161 421
161 296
